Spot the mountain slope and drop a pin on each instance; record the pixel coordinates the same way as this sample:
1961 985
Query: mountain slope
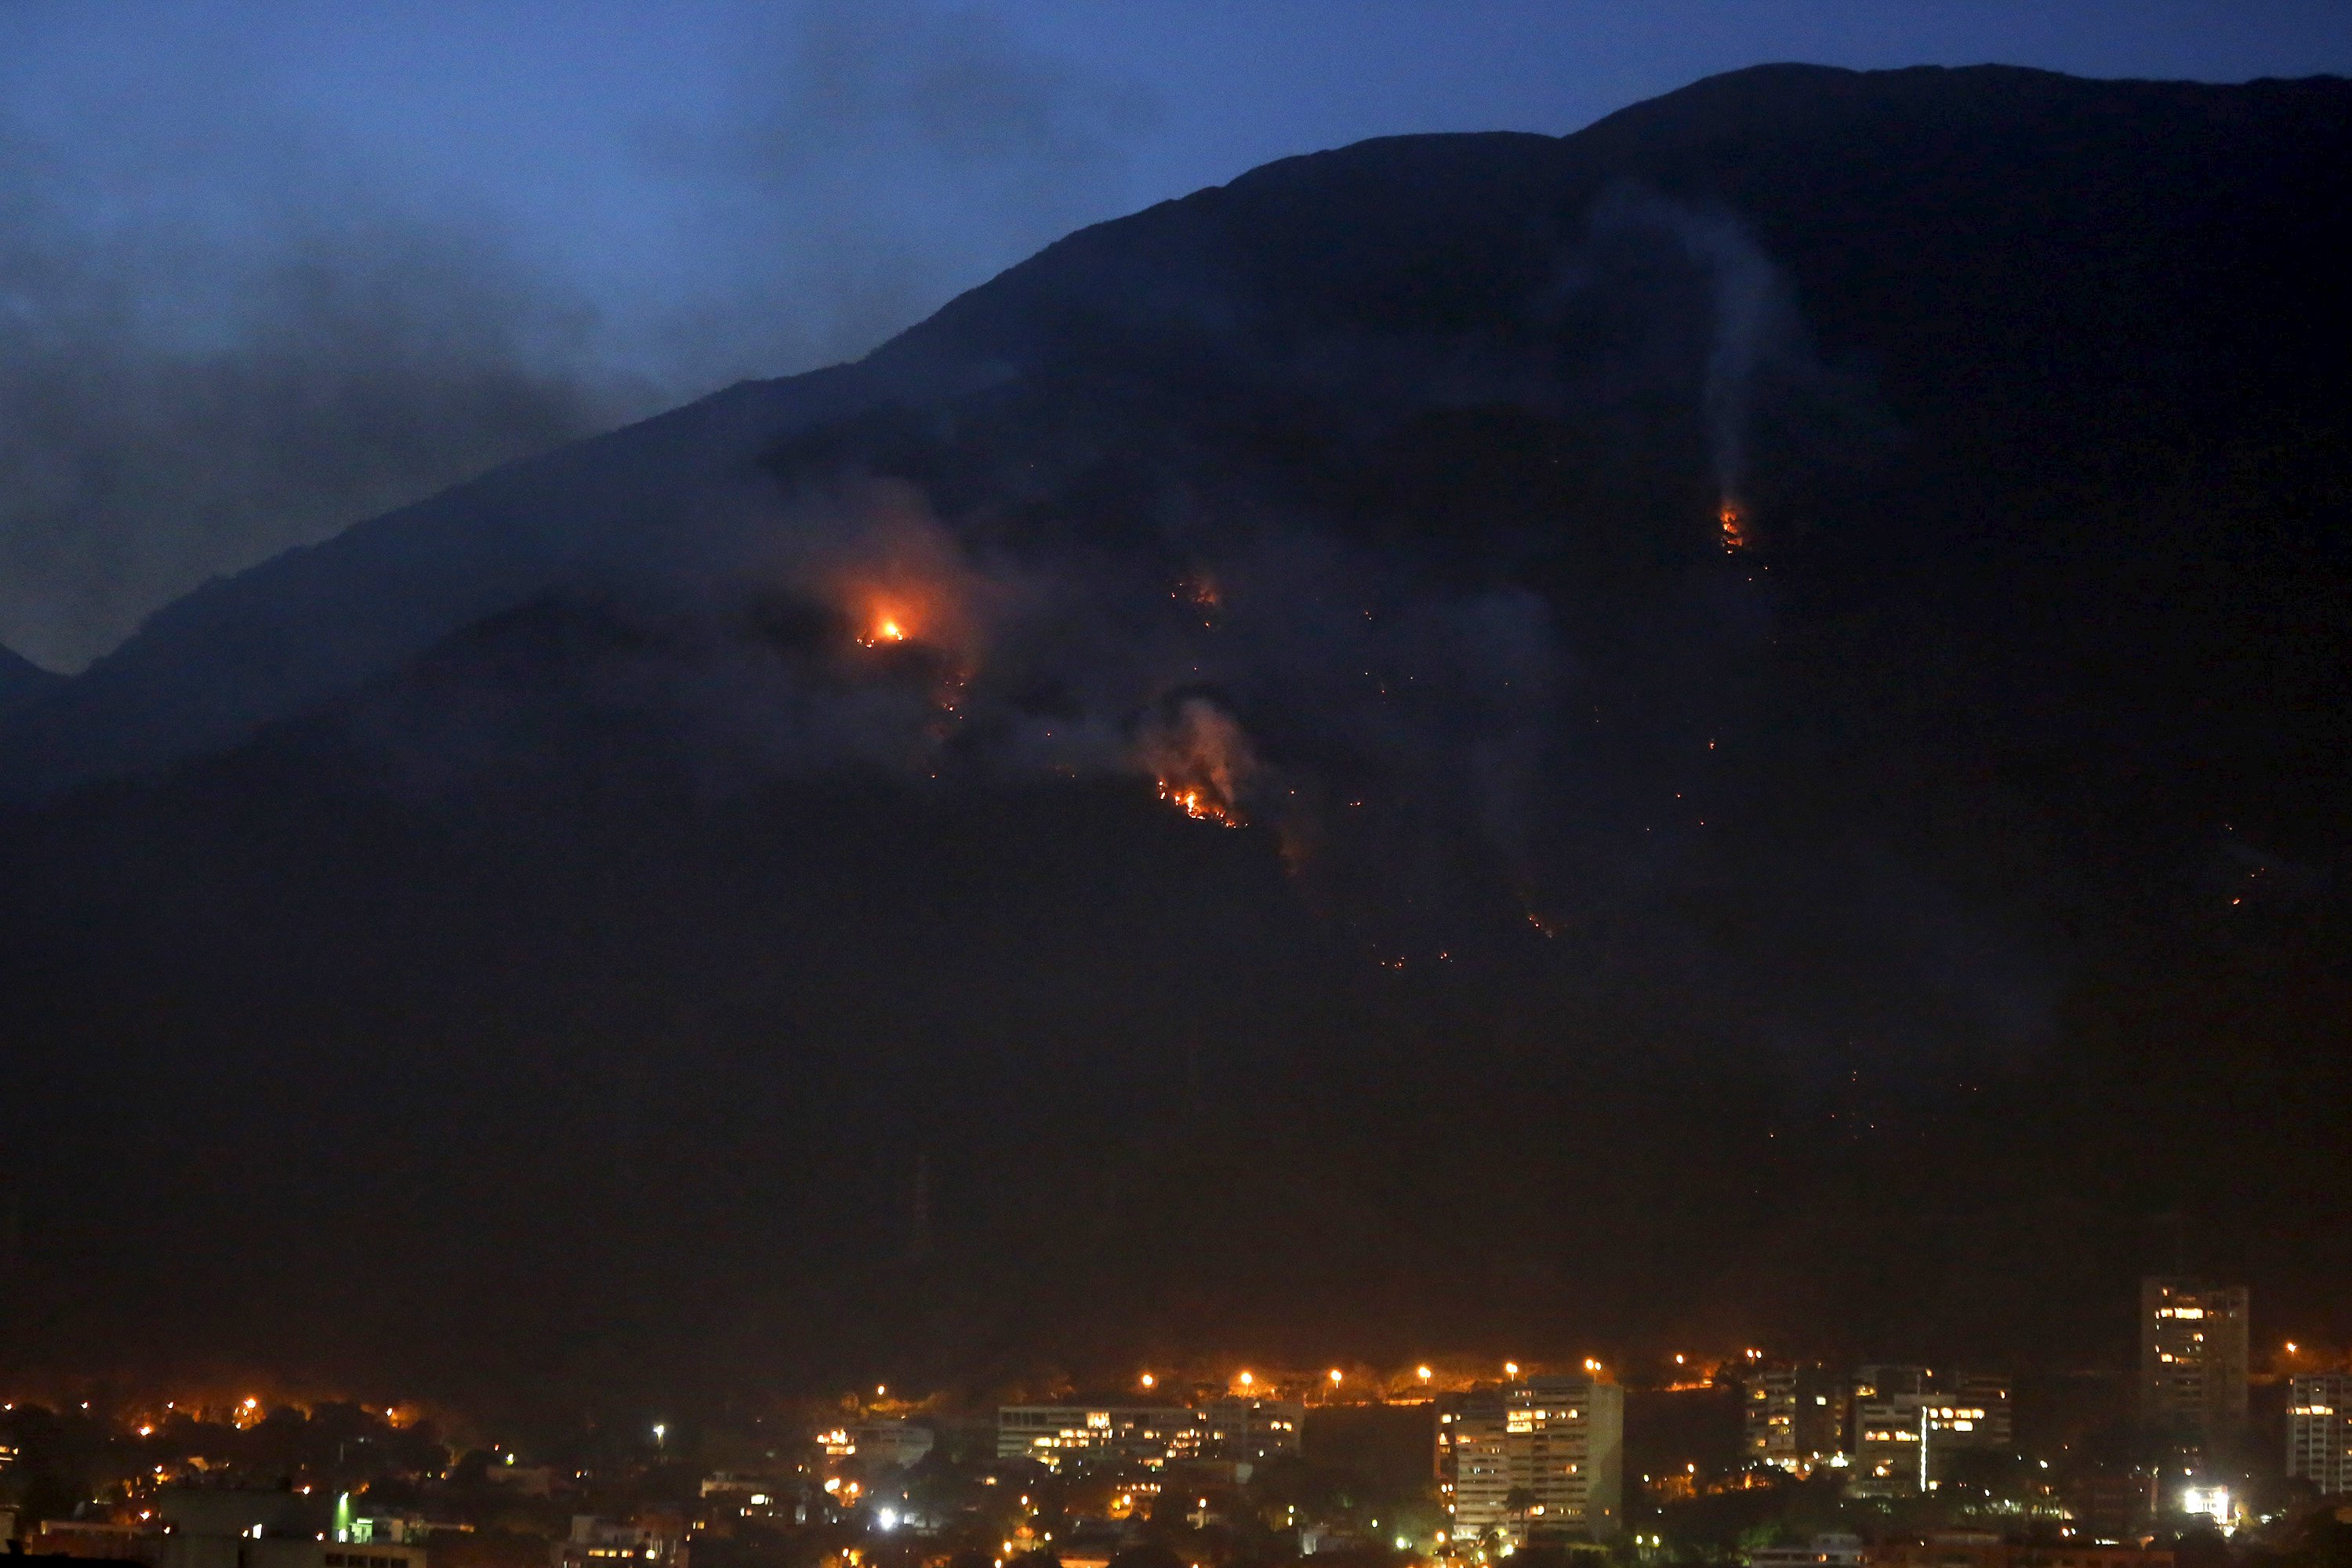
21 680
665 496
2029 269
693 830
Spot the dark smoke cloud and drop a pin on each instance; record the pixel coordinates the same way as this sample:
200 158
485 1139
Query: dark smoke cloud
176 403
219 337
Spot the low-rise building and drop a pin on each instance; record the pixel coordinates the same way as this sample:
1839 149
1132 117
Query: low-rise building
1984 1549
597 1542
94 1538
1233 1430
883 1442
1834 1551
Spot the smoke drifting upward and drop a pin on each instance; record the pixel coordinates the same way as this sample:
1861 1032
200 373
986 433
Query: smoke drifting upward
1747 289
176 403
1201 760
229 325
1750 312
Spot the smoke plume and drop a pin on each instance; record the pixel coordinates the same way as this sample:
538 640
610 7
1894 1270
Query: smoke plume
228 328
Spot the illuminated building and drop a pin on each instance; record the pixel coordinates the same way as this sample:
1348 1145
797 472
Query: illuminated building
1056 1434
331 1554
2319 1432
888 1442
1237 1428
1474 1468
1907 1423
1558 1441
1249 1429
232 1528
608 1543
1795 1414
2211 1501
2192 1360
1834 1551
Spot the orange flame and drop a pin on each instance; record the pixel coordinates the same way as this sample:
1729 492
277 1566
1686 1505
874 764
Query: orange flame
1734 527
887 627
1197 805
1202 762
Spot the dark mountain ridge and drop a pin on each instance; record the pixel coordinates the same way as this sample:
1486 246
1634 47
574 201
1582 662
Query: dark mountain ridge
21 680
569 887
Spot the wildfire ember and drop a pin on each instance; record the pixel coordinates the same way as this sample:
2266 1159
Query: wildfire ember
1197 805
1201 760
886 629
1735 528
1199 589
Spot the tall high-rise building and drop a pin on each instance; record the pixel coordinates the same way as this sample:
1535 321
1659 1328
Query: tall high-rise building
1910 1422
1474 1462
1796 1414
1540 1459
2192 1360
2319 1431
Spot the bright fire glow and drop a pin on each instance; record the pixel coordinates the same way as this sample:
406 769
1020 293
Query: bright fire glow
1734 527
886 627
1201 760
1196 803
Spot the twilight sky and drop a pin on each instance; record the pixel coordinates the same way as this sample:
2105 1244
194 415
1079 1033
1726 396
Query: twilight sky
266 269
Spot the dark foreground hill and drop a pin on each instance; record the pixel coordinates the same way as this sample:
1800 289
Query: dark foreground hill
1732 725
21 682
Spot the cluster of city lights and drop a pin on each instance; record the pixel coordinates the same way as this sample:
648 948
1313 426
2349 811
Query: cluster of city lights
1337 1377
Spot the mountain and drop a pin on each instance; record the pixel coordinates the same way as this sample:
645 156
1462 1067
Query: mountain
21 680
1471 741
